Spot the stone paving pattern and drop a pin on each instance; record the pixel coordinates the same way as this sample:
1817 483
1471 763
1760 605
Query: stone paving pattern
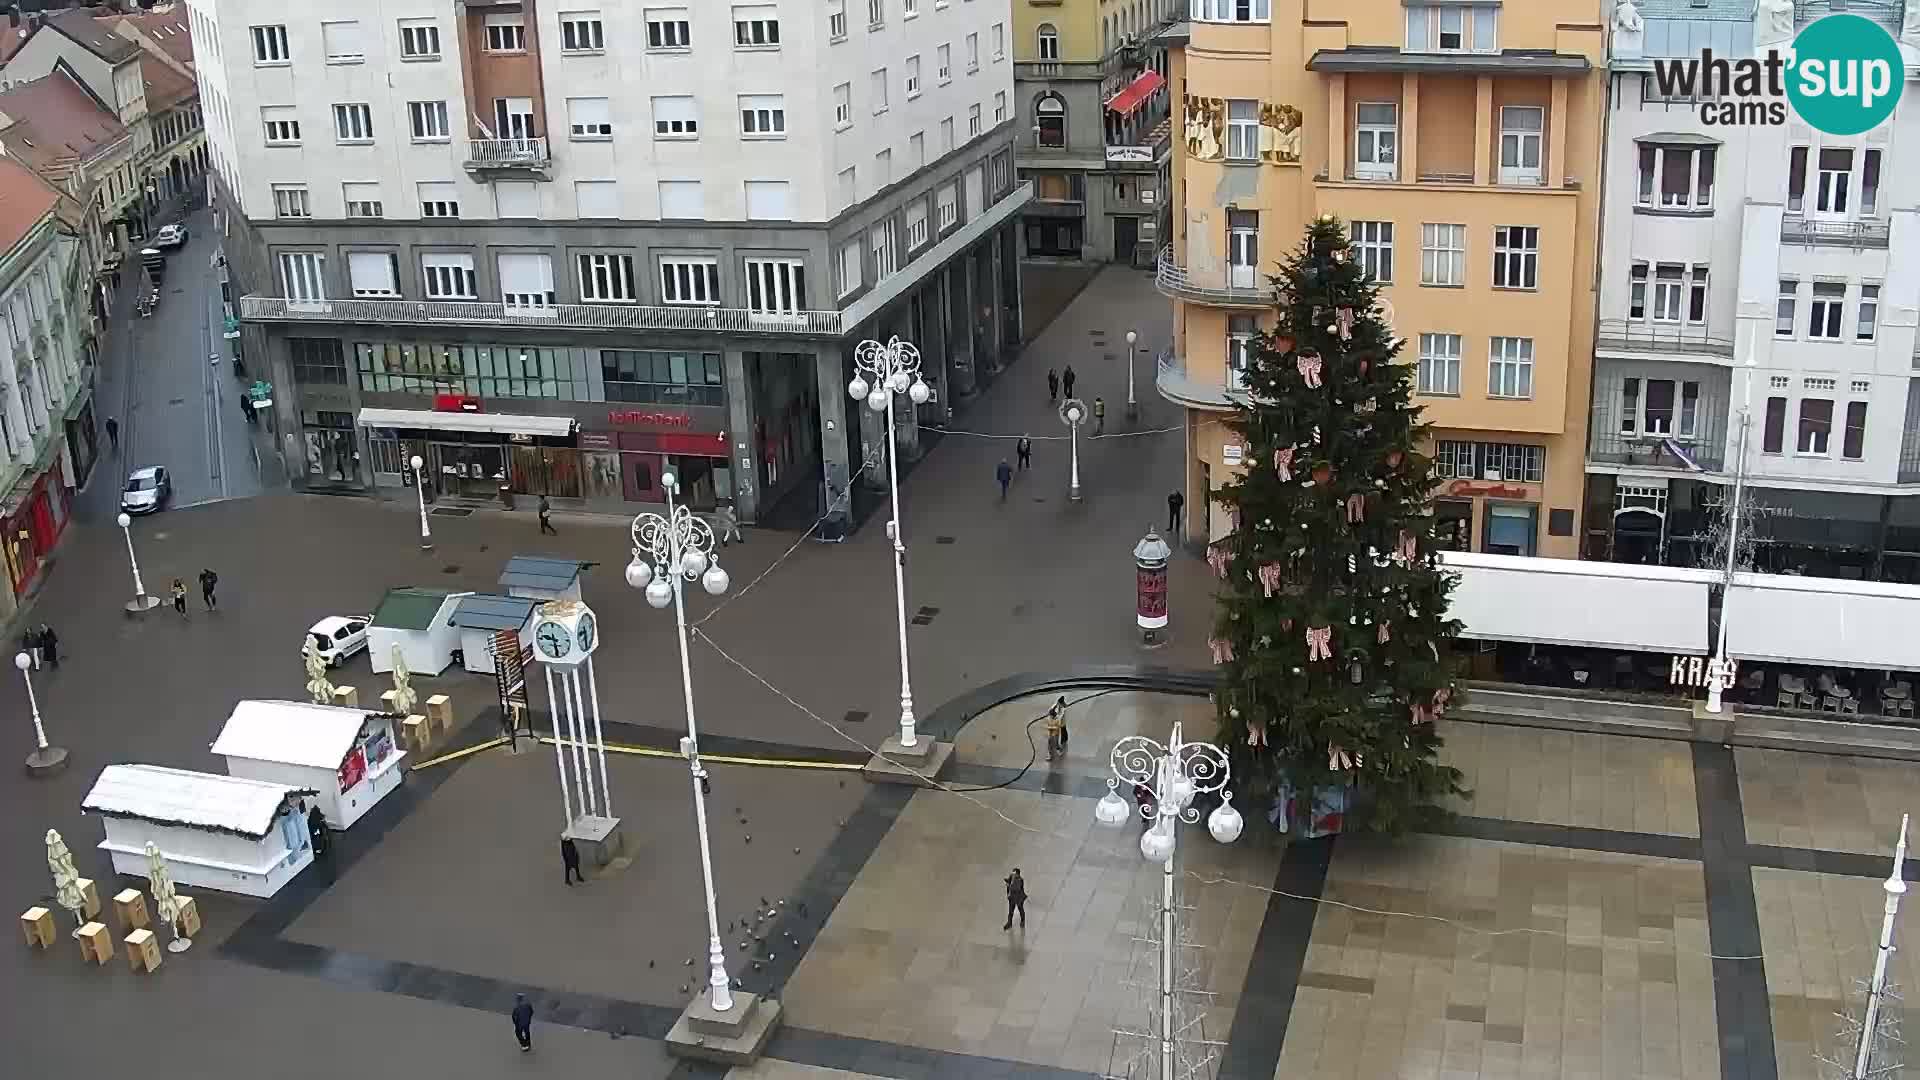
1571 778
1818 801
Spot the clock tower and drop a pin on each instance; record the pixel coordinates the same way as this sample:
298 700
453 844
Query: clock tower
565 635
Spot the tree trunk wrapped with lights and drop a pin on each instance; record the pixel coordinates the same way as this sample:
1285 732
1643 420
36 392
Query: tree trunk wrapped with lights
1332 632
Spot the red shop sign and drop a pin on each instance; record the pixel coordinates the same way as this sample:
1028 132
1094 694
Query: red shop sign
455 403
1491 491
640 418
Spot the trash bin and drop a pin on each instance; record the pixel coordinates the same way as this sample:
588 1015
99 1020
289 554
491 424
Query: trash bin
506 496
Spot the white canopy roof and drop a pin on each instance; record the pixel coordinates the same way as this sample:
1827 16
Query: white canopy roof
1590 604
194 799
1803 620
291 733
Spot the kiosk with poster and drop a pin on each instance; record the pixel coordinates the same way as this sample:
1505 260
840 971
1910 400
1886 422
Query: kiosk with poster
216 832
346 756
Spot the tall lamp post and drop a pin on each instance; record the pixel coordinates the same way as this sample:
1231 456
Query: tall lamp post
1133 406
420 489
1073 413
141 602
45 760
894 368
1178 771
1872 1038
1719 677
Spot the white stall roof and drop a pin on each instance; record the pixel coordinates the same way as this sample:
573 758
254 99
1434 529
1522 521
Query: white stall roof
291 733
192 799
1589 604
1802 620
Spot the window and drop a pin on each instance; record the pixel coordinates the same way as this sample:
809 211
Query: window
1869 182
1452 28
1519 462
675 118
419 39
916 225
1243 248
1047 41
322 360
1783 313
1663 396
1853 440
1376 140
667 28
1669 283
1823 314
682 199
660 378
886 253
1443 254
844 180
843 105
526 281
372 274
1242 332
882 169
1373 244
763 116
353 123
301 277
1516 257
1050 116
999 38
757 26
1243 130
439 199
685 280
1229 10
776 286
999 106
910 8
448 277
581 31
1696 294
1869 313
290 201
270 45
363 200
1510 368
1520 130
846 269
1511 528
1836 173
973 120
427 121
917 148
596 198
837 20
943 57
606 279
343 42
947 207
1816 426
973 53
946 135
513 118
877 85
282 125
1772 431
1796 180
876 14
506 33
913 77
1676 177
589 118
1439 365
769 200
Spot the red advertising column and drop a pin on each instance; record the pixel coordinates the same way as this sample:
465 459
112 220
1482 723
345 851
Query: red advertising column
1150 558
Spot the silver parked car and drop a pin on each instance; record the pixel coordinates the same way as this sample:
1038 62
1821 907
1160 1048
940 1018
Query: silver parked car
147 490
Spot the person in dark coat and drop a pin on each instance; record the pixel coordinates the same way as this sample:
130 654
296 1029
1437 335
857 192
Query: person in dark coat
570 856
1175 503
317 829
113 433
1004 474
523 1022
50 645
1067 378
1016 899
546 518
208 582
1053 385
1023 453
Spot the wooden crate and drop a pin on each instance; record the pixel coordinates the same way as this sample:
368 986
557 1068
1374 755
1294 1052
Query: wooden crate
188 917
96 943
130 910
414 734
36 925
440 712
143 951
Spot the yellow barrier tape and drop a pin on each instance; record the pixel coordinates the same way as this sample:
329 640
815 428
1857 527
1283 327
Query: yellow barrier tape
776 763
456 755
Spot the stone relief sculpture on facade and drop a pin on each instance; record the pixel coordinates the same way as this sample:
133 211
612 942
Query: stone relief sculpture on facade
1280 134
1772 22
1205 126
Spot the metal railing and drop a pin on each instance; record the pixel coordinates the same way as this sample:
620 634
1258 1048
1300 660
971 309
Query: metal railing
507 153
1650 451
1209 287
1850 234
562 316
1177 384
1662 337
1885 12
1059 69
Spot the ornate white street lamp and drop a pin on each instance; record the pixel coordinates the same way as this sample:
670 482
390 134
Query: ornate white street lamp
1179 771
420 489
1133 407
45 760
1073 413
894 368
141 602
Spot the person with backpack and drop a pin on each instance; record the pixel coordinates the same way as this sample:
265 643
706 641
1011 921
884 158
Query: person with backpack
1016 898
208 582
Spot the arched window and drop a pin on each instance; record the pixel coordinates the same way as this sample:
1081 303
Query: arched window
1050 116
1049 41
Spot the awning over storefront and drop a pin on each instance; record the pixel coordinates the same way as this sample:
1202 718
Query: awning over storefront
1803 620
1588 604
495 423
1136 93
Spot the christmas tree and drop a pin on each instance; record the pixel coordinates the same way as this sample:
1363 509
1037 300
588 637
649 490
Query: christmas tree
1332 631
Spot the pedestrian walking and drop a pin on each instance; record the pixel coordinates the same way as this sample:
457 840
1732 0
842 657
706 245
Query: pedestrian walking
246 411
546 518
729 526
1057 729
113 434
570 857
50 646
208 582
30 644
1016 899
1175 502
1066 380
523 1022
1099 415
1023 453
1005 475
317 830
180 597
1053 386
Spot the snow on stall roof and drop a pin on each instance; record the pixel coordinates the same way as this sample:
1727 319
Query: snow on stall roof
179 797
291 733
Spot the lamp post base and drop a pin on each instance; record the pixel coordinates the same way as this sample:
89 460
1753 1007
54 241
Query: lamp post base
426 545
46 762
179 945
916 764
141 604
734 1037
1133 410
1073 493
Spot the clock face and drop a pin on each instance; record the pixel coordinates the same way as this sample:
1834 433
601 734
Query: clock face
553 639
587 632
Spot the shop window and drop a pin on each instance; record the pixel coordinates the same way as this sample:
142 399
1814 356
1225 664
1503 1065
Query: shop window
1511 529
661 378
1453 524
474 370
317 361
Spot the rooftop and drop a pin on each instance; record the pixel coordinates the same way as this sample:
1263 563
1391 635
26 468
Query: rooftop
409 609
291 733
195 800
25 201
486 612
52 122
165 86
165 26
95 36
539 572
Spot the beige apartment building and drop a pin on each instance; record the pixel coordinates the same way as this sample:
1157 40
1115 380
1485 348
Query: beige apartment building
1461 142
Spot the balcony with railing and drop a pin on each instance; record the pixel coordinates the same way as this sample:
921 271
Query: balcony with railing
274 309
1182 387
499 156
1221 286
1653 338
1847 234
1060 69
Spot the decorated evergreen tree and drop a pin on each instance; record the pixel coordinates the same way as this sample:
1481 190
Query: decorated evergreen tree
1332 629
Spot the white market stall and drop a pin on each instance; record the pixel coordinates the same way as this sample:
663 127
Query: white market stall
1658 609
347 756
479 616
541 577
217 832
419 621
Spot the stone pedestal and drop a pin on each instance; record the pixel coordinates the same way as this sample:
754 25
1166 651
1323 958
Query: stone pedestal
346 697
916 764
734 1037
47 762
599 839
1713 727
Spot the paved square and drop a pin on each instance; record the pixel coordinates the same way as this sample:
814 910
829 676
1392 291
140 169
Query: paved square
1826 802
1572 778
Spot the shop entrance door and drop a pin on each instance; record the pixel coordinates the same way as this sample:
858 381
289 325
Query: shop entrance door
640 477
1126 237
